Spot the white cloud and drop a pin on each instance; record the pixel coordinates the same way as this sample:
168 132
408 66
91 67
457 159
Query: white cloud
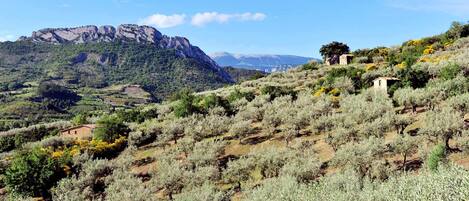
164 21
7 38
448 6
201 19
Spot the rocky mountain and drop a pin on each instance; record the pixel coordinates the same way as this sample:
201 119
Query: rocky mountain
91 56
263 62
125 32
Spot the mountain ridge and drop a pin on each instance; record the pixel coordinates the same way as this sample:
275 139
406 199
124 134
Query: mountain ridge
264 62
123 33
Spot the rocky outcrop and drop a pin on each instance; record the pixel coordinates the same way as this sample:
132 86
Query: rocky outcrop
123 33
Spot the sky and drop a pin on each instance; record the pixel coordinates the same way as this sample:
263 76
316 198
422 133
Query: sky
293 27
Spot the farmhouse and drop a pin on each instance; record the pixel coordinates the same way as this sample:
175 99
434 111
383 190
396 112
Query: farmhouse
82 131
383 83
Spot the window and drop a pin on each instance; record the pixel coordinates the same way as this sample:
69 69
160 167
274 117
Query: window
75 132
379 82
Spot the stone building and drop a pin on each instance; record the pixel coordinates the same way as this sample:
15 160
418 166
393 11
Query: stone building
82 131
383 83
345 59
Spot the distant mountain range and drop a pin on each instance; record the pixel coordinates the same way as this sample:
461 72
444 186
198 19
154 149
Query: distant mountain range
262 62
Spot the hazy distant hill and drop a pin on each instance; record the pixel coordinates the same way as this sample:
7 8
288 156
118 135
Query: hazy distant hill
263 62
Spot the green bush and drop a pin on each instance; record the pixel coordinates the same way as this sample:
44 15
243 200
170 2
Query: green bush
413 77
33 173
7 143
211 101
437 155
277 91
237 94
109 128
450 71
185 105
79 119
350 72
310 66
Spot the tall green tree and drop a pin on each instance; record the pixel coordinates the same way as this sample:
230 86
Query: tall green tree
109 128
334 49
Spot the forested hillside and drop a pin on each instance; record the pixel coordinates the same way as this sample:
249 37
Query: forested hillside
317 132
98 71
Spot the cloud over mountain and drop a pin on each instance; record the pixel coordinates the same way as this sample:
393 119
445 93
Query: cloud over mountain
201 19
164 21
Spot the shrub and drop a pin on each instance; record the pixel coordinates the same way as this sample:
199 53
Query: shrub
241 129
237 94
238 171
104 149
350 72
304 166
450 71
145 133
360 157
33 173
199 127
277 91
443 124
206 192
212 101
413 78
405 146
170 176
79 119
123 185
437 155
185 103
205 153
7 143
109 128
310 66
88 185
459 103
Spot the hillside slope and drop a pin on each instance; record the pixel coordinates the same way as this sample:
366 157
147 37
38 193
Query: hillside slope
316 132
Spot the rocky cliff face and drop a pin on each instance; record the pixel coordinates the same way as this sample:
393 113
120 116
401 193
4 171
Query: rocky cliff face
125 32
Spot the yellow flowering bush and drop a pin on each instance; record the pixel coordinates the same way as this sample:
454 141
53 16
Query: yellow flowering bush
428 50
320 91
104 149
57 154
370 67
334 92
416 42
402 65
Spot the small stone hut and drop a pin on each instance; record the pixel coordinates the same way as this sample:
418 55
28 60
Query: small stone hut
345 59
383 83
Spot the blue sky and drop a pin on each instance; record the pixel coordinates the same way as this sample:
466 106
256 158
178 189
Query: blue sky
297 27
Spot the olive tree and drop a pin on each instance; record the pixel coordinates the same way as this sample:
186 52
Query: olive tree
405 145
169 175
239 171
443 124
241 129
360 156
